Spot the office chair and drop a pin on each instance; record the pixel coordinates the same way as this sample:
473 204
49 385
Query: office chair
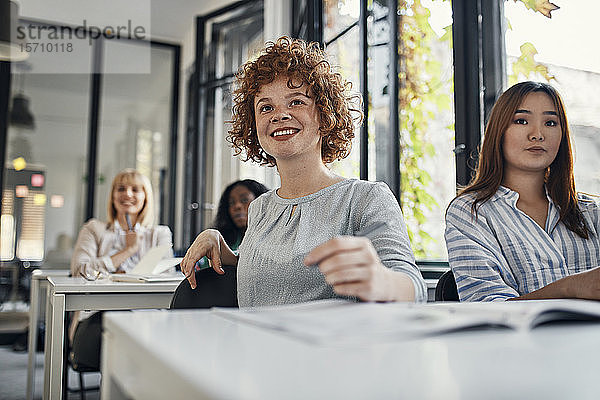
446 290
80 368
213 290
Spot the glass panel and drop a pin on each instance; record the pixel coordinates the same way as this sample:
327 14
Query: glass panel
134 127
427 168
44 188
232 39
339 15
380 136
345 58
553 48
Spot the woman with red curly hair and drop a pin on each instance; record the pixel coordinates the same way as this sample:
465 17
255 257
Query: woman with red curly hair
292 111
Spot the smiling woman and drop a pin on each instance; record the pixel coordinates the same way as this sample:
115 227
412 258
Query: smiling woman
293 111
115 246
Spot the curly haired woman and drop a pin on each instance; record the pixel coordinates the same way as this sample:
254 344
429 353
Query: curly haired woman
292 111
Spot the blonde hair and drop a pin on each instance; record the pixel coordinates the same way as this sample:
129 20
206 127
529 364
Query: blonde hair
130 176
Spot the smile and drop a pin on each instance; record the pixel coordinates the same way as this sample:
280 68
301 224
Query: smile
284 132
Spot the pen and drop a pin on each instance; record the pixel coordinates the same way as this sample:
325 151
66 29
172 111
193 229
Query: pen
128 219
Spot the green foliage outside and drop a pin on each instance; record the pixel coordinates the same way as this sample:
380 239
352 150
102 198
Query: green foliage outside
421 97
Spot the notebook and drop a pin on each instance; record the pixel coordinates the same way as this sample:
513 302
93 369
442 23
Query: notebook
151 267
176 277
152 262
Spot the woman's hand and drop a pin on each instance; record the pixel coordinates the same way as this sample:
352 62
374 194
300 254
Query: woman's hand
583 285
208 243
351 265
132 242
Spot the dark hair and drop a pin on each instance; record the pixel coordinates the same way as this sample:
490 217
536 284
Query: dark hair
559 180
340 109
223 222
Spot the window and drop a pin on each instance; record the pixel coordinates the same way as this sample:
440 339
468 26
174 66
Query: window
425 104
228 37
550 50
409 148
341 34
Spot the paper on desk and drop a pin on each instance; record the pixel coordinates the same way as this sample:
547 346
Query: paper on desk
339 322
149 278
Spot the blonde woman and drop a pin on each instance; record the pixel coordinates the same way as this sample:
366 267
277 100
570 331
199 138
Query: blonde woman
115 246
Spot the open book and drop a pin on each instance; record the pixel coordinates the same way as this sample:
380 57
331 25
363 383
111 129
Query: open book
151 268
338 321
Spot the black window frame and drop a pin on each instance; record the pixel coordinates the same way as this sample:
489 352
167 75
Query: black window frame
199 87
479 74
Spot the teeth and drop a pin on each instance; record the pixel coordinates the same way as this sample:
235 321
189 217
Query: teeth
285 132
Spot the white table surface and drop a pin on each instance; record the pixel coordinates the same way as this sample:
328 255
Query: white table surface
182 354
73 294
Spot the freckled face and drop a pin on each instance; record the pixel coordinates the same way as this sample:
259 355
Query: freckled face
287 120
239 201
532 139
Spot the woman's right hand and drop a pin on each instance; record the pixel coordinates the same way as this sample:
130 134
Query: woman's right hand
132 241
207 243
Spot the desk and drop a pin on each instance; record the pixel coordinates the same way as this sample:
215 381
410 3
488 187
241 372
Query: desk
75 294
199 354
38 283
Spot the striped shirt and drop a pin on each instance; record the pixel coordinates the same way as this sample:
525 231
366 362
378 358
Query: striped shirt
504 253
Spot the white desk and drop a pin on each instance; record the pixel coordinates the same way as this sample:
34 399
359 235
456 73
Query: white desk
184 354
38 283
73 294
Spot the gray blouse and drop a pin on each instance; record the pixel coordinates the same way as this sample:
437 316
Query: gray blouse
270 267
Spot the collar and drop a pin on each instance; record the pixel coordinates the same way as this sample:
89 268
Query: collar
511 197
117 227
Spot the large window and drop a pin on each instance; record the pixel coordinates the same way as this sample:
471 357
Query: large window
226 39
407 72
341 36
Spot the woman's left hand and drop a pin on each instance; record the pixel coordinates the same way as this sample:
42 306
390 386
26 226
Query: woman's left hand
351 265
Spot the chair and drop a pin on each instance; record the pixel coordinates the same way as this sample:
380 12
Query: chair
212 290
80 368
446 290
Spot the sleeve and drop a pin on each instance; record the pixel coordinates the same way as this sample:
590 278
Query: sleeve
392 244
475 256
85 258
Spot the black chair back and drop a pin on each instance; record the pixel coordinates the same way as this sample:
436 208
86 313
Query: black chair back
446 290
212 290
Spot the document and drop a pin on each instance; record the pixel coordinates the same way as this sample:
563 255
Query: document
150 278
153 262
339 321
151 268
